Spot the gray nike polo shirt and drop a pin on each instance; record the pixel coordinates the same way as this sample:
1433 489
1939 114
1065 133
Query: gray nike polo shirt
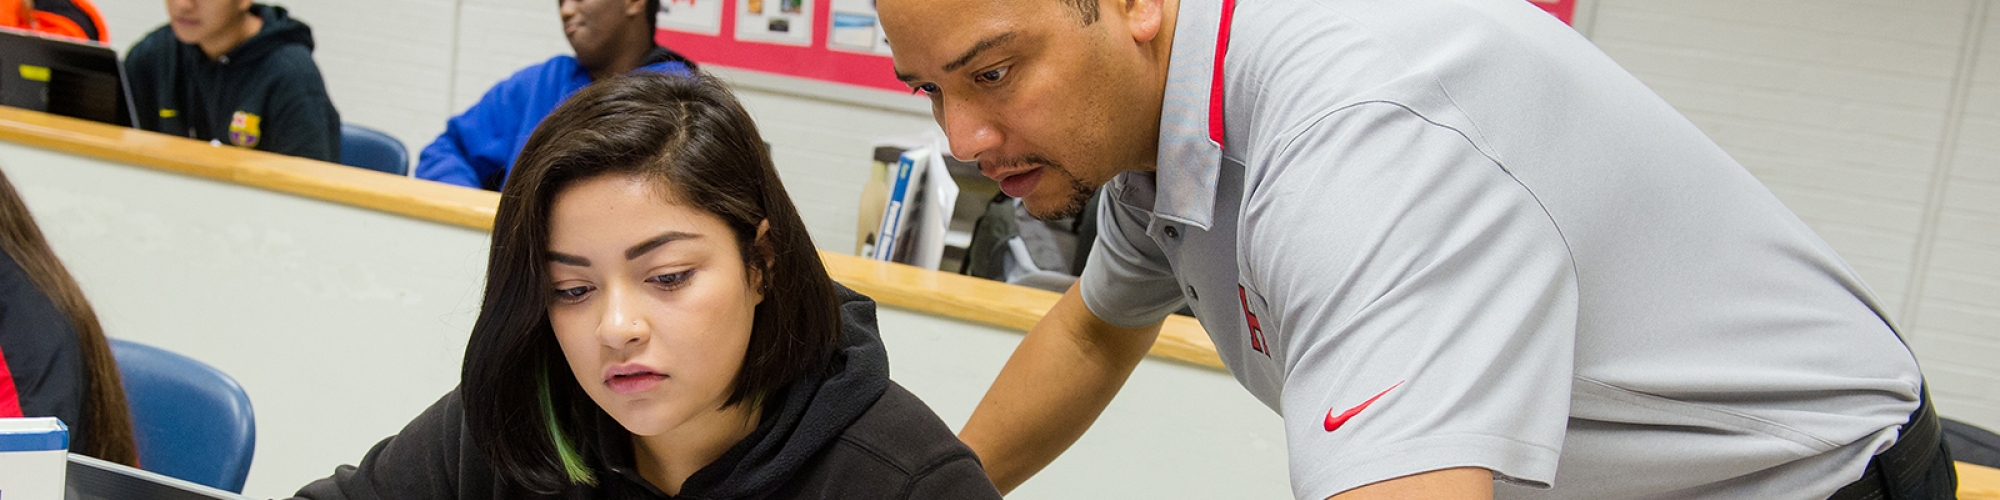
1443 233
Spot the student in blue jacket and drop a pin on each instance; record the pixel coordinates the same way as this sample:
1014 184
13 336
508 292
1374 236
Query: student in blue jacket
610 37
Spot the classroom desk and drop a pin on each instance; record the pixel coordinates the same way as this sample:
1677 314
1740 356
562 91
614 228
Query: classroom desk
88 478
1978 482
182 244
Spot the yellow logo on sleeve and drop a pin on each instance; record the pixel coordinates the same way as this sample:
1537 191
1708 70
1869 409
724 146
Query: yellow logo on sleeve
243 129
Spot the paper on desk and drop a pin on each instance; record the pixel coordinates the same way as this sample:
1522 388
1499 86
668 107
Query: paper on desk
33 458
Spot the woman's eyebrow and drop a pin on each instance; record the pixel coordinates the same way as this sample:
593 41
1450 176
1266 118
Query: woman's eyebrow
567 259
656 242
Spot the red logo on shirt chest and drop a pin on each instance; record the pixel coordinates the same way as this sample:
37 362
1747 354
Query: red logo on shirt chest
1256 331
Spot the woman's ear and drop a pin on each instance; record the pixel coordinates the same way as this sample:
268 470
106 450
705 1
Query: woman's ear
766 255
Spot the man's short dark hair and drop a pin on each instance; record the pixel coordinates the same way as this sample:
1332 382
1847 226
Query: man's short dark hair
1086 10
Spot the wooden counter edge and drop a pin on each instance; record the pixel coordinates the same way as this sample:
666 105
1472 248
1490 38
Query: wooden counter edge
992 302
950 295
1978 482
459 206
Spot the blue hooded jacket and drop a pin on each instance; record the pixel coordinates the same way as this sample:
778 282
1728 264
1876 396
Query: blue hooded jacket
478 147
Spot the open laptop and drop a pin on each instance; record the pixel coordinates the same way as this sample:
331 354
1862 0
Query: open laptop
63 77
93 479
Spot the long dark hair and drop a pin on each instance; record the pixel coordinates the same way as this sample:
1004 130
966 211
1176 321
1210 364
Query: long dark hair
690 136
106 429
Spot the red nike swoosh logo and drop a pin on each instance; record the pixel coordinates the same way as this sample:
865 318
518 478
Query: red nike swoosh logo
1335 421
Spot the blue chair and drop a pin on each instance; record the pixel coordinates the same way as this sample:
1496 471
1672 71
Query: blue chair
191 421
371 149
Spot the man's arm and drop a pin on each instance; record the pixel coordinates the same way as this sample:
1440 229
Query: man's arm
445 160
1465 483
477 145
1056 384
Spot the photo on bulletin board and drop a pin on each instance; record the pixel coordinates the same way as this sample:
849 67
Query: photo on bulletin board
701 17
854 27
785 22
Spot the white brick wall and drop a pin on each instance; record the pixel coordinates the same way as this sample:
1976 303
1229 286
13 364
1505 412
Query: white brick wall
385 62
1878 121
1958 319
1840 117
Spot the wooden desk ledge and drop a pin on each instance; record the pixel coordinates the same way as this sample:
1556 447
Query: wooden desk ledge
360 187
1978 482
944 294
993 302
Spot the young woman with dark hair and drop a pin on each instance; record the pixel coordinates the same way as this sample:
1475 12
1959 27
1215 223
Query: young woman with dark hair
54 359
657 324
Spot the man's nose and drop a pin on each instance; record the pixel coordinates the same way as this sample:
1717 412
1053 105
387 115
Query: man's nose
968 128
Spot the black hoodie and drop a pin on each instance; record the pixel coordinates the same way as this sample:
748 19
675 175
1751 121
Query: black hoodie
849 434
265 94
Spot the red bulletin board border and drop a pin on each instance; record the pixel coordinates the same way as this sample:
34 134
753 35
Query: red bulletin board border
818 62
815 61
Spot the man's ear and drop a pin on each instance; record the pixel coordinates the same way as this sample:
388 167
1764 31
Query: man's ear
1142 17
635 8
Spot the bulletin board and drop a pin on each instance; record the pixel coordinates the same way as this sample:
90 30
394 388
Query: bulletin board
829 40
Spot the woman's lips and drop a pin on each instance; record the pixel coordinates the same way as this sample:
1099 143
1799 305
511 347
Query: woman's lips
627 384
632 377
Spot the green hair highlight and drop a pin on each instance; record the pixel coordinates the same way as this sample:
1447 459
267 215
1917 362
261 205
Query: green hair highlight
572 461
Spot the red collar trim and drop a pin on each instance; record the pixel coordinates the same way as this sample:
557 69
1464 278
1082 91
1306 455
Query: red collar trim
1215 86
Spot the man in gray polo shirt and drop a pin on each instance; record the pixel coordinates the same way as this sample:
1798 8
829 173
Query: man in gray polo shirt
1455 246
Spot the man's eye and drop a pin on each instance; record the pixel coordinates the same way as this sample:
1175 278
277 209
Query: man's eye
993 75
926 89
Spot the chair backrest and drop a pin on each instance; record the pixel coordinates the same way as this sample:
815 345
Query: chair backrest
190 420
371 149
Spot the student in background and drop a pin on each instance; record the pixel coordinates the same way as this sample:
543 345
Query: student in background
235 72
54 359
610 37
657 323
71 18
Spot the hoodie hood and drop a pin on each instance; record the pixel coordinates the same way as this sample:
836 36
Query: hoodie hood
279 30
799 421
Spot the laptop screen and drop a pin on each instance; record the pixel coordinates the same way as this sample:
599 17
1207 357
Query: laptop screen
93 479
62 77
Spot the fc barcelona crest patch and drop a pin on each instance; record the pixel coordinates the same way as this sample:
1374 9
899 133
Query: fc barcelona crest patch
243 130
